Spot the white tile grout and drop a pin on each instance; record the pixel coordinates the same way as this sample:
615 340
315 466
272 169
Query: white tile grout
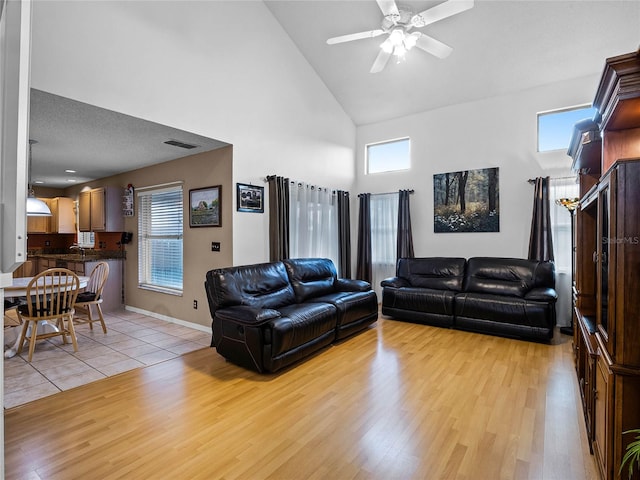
127 334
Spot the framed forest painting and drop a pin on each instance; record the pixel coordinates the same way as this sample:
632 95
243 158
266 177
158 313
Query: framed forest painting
466 201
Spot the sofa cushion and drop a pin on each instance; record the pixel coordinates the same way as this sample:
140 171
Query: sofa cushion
311 277
504 309
299 324
264 285
419 300
440 273
500 276
352 306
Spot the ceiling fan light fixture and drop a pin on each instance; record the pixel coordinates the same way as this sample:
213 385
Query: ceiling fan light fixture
411 40
398 21
400 52
387 46
396 37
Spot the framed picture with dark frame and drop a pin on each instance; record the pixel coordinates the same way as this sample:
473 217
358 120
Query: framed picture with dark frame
205 208
250 198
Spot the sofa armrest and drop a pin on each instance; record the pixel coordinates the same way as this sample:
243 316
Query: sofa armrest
246 315
349 285
395 282
542 295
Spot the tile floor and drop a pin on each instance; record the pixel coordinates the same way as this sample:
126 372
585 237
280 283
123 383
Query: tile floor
132 340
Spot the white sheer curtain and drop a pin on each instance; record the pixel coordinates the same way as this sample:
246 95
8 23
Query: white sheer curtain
313 216
384 231
561 231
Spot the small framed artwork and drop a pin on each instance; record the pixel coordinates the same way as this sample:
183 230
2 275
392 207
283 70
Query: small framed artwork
250 198
205 207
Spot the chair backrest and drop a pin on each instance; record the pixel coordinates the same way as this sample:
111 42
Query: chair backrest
98 279
52 293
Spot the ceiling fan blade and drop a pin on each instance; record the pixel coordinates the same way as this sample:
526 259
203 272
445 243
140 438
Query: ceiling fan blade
388 7
355 36
380 62
433 46
444 10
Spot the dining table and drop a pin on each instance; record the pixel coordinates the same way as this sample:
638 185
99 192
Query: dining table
18 289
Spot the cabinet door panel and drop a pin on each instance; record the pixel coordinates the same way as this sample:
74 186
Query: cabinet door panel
601 412
62 216
84 211
98 219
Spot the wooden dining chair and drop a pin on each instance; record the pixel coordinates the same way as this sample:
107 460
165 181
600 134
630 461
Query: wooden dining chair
92 296
51 296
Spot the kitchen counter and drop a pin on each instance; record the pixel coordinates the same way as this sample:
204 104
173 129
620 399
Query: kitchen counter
77 257
113 294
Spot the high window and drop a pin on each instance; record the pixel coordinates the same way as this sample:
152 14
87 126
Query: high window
556 127
160 227
388 156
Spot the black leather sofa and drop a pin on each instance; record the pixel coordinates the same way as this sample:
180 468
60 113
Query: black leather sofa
502 296
270 315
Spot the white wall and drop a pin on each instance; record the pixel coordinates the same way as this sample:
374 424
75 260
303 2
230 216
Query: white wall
222 69
495 132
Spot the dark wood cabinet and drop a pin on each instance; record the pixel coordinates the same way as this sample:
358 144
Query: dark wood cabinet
606 291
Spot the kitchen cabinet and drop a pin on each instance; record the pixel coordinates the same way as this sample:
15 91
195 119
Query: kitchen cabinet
46 263
100 210
61 220
39 224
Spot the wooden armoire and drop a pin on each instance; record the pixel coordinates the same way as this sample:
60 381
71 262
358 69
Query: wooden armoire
606 287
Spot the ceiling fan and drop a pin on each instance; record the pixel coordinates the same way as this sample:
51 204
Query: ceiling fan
397 23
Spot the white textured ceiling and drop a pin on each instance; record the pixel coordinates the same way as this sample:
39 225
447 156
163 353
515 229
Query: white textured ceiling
96 142
498 47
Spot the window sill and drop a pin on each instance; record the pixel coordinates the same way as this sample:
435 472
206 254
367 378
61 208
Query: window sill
157 289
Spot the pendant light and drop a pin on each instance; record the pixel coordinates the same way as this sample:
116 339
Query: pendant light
35 206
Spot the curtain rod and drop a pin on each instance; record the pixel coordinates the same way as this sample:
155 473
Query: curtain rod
384 193
533 180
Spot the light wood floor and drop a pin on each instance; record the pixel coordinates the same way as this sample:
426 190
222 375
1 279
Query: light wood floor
399 401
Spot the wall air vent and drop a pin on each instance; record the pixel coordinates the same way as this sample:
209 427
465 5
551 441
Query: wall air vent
177 143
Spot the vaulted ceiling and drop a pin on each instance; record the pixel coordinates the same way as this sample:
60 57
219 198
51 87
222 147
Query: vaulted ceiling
498 47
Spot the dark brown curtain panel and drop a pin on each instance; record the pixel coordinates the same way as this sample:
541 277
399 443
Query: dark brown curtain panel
405 237
278 218
363 265
344 234
541 242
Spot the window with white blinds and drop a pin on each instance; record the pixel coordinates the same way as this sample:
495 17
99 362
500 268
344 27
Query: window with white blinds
160 227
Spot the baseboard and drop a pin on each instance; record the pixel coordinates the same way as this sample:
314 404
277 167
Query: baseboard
166 318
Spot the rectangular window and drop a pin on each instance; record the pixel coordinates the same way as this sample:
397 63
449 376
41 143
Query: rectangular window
160 228
556 127
388 156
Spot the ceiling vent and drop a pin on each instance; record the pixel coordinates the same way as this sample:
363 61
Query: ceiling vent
177 143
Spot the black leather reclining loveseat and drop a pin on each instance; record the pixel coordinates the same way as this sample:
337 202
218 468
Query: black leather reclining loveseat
270 315
503 296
